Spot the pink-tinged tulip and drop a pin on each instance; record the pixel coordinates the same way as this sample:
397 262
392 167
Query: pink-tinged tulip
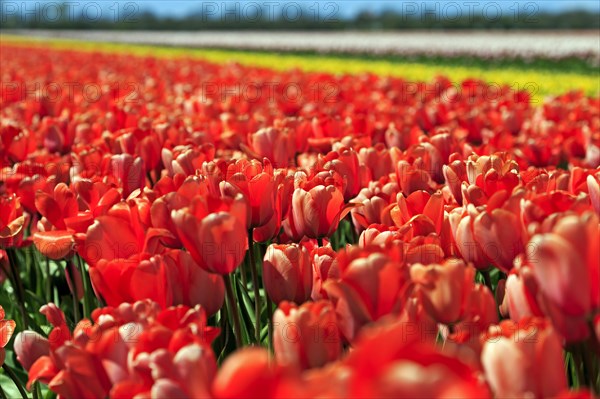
325 267
376 200
186 160
524 359
455 174
498 234
566 267
129 172
444 289
345 162
7 328
379 235
593 185
492 173
488 237
519 298
273 144
377 159
195 286
317 212
412 178
287 273
306 336
29 347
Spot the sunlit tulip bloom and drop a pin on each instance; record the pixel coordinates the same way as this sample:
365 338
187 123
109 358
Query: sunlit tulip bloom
376 199
371 286
524 359
419 203
7 328
412 178
12 221
128 171
288 273
455 173
379 235
185 159
247 373
377 159
445 288
271 143
160 211
317 212
386 362
214 232
520 296
30 346
487 237
593 185
325 267
306 336
566 267
256 182
345 161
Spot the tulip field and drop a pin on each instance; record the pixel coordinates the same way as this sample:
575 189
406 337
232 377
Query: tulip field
177 225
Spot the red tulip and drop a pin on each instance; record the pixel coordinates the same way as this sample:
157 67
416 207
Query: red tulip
12 221
257 184
214 232
371 286
317 212
7 328
306 336
128 172
325 267
248 374
444 288
30 346
566 267
524 359
287 273
271 143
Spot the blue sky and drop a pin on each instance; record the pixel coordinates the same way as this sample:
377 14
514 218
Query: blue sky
336 8
352 7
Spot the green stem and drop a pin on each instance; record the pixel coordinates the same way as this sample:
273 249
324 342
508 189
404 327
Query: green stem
578 365
86 288
48 282
488 280
18 285
69 271
270 316
15 379
231 304
256 287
